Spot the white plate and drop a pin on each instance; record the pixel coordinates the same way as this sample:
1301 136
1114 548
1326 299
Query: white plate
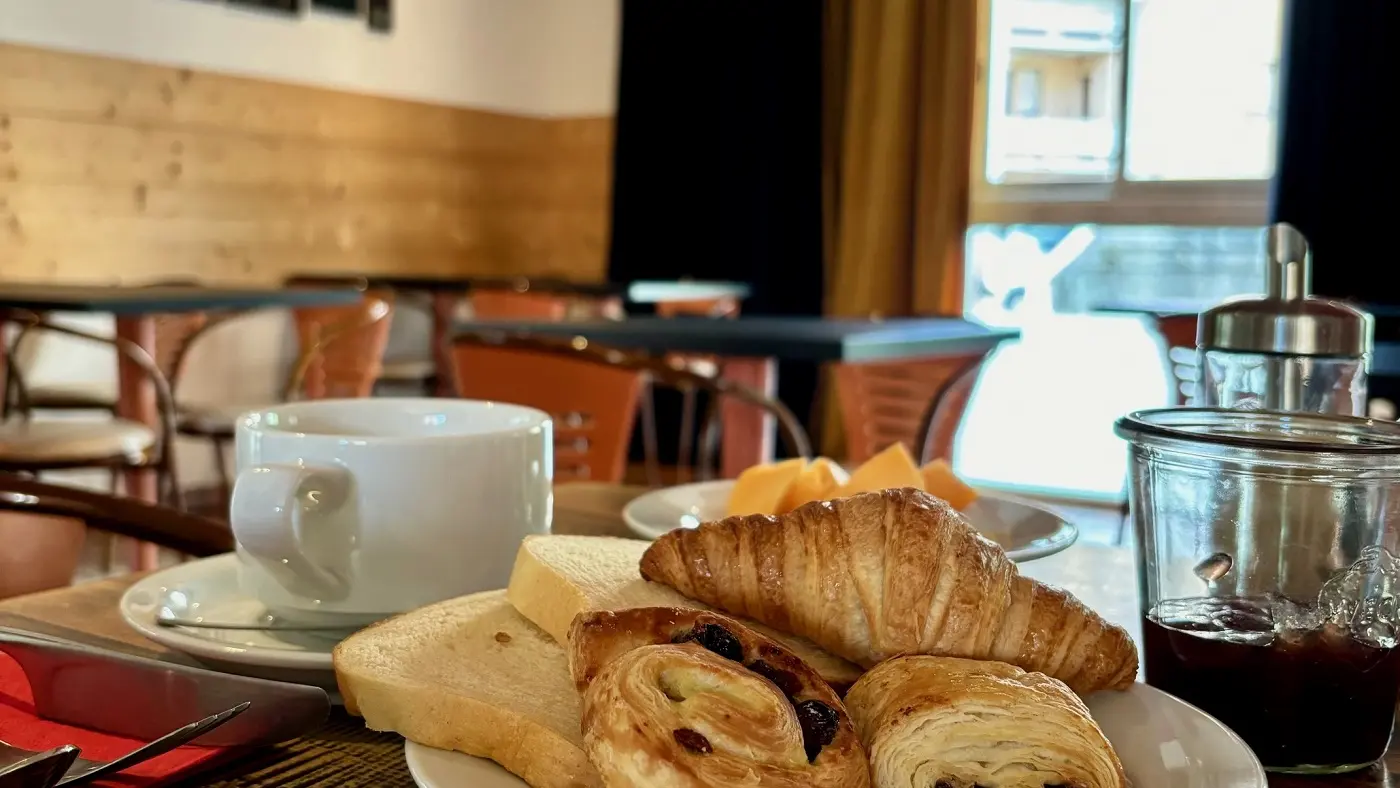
209 588
1025 530
1162 741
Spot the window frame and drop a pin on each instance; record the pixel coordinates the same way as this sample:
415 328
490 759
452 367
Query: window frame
1211 203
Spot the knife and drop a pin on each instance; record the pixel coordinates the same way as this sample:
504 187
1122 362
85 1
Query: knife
141 698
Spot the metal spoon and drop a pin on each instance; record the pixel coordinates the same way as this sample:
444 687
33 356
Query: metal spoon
271 626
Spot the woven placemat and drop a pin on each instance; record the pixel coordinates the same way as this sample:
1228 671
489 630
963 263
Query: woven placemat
343 753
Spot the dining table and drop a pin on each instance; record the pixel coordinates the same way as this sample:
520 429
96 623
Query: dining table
750 348
344 753
135 308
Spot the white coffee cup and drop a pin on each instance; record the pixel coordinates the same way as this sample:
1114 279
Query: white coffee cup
362 508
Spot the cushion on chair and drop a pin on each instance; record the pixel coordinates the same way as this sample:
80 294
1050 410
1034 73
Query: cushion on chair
407 369
72 396
72 441
212 420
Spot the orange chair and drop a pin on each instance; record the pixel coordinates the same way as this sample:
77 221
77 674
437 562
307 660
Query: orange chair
724 306
592 393
518 305
342 349
917 403
592 398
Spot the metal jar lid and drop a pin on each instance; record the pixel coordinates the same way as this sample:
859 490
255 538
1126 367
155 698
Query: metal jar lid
1286 320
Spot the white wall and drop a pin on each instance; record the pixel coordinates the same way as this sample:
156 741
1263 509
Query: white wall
532 57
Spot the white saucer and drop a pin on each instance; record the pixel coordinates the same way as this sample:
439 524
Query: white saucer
1162 741
209 588
1025 530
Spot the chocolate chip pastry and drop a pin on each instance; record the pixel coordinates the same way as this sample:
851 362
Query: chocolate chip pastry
687 699
882 574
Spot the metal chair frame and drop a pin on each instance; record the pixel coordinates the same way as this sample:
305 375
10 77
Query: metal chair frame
157 458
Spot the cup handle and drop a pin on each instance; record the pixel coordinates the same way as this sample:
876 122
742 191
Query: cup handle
271 510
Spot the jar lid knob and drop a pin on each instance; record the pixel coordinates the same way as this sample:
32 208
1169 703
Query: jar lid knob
1289 273
1286 320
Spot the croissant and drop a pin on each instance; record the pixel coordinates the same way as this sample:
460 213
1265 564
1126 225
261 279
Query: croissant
677 698
941 721
887 573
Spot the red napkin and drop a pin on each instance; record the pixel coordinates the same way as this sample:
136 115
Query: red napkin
20 727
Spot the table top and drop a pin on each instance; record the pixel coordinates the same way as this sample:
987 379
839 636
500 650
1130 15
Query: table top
457 282
639 292
140 300
647 292
345 754
787 338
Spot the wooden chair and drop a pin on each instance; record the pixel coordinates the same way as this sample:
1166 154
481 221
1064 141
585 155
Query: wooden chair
340 352
499 304
592 393
939 428
28 446
38 554
917 403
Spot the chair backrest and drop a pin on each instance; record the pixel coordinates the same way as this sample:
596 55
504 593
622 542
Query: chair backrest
501 304
590 394
341 349
944 415
181 531
16 396
887 402
174 332
724 306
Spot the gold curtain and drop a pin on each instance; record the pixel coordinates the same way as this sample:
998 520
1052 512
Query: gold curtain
897 143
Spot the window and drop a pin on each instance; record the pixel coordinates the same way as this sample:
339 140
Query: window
1141 182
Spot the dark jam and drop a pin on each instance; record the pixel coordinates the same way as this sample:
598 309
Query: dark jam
1318 697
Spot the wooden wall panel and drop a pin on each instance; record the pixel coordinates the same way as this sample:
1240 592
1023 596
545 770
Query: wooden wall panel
120 171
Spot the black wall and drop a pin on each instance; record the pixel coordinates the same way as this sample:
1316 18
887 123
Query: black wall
718 160
1338 173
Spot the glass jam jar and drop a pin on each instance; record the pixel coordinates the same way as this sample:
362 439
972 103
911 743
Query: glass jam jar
1268 576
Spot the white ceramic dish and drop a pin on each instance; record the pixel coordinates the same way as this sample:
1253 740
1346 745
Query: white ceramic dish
1162 741
209 588
1024 529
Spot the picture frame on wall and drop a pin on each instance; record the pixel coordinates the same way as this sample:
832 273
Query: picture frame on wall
381 15
288 7
348 7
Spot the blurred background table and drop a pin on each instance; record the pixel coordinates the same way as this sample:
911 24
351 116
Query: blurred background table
751 346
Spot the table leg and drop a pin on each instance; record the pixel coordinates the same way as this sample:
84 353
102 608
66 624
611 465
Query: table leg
136 400
444 307
747 430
